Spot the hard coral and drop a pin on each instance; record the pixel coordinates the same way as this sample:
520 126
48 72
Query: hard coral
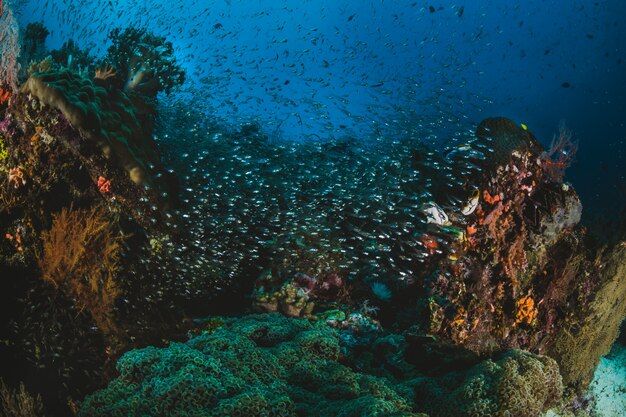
109 120
519 384
253 366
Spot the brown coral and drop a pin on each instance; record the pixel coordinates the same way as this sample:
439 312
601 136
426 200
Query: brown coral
106 72
19 403
80 255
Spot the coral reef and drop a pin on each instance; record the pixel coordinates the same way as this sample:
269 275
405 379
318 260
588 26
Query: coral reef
421 274
587 334
518 384
262 365
258 365
104 116
78 271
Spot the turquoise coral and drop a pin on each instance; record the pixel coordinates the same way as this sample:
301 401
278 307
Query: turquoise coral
257 365
271 365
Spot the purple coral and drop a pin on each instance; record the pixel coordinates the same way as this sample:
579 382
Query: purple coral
326 285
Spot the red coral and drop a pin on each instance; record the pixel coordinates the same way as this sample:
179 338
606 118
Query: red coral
560 156
104 185
4 96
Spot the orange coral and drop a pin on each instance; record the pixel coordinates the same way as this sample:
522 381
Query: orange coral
459 317
16 177
104 185
4 96
35 138
80 256
106 72
489 199
526 310
16 238
430 243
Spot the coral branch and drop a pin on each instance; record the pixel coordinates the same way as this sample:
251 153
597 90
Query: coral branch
560 156
80 255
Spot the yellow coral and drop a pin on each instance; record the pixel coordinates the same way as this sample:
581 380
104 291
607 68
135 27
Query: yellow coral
35 138
4 154
526 310
459 317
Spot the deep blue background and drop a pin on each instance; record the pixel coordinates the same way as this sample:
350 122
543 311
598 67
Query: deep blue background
337 67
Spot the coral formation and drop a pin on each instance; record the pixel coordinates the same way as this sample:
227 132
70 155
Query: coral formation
78 281
588 333
104 116
526 310
19 403
262 365
518 384
258 365
146 61
80 256
419 273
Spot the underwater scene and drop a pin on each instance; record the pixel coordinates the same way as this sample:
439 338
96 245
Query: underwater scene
313 208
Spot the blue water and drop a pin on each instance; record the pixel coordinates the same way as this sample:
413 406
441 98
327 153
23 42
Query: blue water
308 69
